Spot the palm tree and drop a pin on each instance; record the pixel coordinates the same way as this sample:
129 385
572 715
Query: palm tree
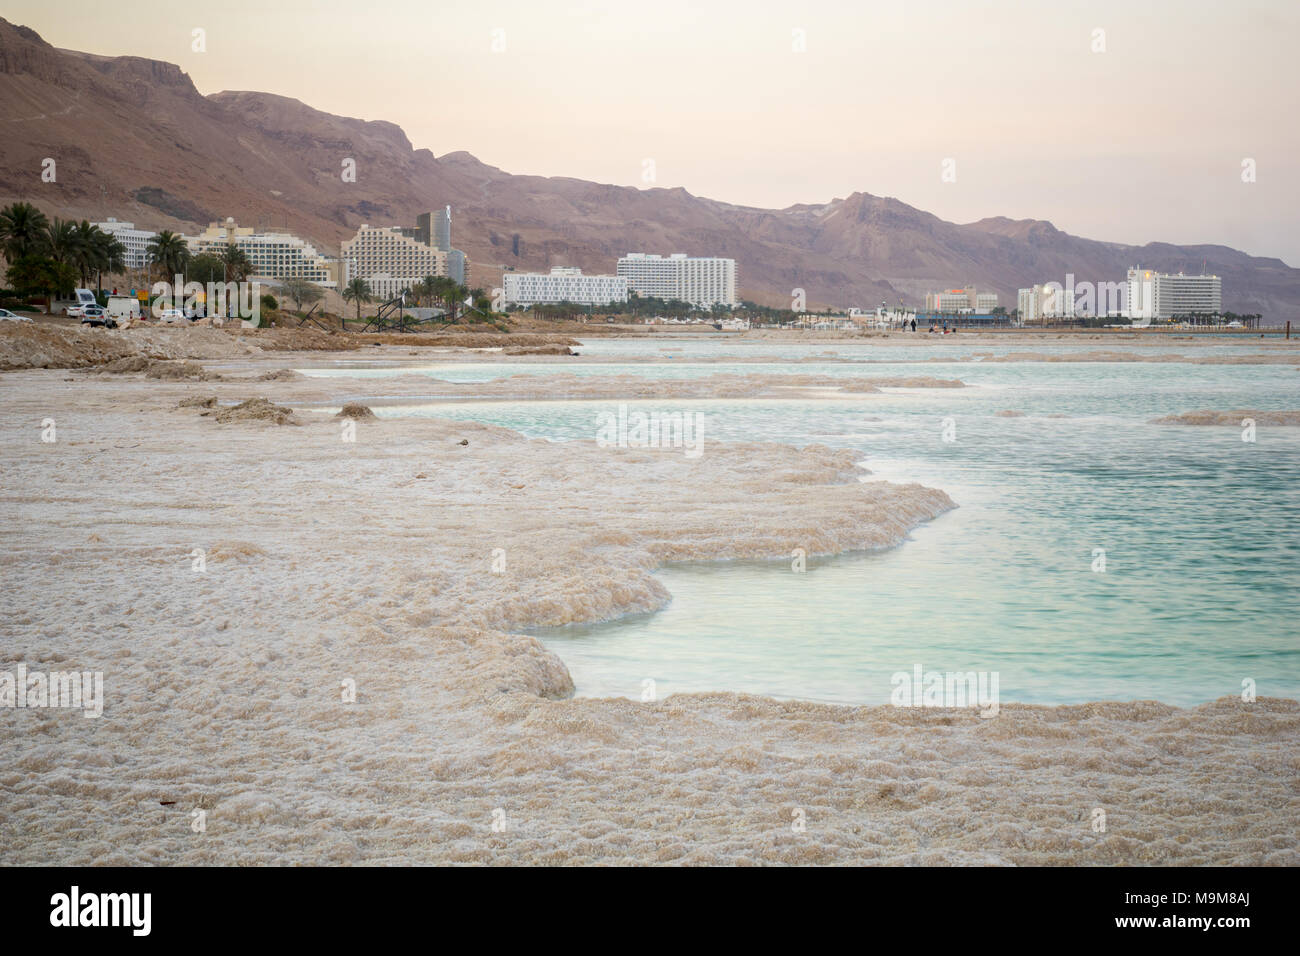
22 230
63 242
358 291
238 267
85 251
453 294
169 251
426 290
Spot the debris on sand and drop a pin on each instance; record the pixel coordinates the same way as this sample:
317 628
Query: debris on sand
256 410
237 551
463 441
123 366
1010 413
155 368
209 401
171 371
279 375
355 410
39 345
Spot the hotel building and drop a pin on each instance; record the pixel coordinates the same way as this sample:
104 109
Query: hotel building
394 258
135 240
563 285
703 282
273 255
961 300
1050 301
1159 295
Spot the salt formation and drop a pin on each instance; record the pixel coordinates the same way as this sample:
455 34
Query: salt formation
317 643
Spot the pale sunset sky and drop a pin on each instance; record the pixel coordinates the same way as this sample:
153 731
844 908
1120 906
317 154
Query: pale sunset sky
1144 141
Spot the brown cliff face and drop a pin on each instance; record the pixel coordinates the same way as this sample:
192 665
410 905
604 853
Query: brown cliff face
134 139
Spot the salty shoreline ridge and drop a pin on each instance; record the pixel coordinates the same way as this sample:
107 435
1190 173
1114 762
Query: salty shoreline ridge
372 561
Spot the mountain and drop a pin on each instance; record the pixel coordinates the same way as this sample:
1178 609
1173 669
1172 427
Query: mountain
133 138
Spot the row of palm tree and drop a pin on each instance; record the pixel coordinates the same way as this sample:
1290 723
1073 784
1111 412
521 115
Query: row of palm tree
81 247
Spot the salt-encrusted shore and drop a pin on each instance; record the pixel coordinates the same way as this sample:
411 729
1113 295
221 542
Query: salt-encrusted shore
370 563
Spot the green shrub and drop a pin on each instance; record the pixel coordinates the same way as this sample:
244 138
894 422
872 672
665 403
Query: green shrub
269 303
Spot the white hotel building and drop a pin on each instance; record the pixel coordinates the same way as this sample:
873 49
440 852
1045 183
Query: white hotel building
563 284
273 255
391 260
1158 295
1050 301
135 240
703 282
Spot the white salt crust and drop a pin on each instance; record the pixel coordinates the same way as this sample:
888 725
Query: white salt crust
372 561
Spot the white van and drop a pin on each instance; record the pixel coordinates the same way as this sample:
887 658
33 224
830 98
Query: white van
124 308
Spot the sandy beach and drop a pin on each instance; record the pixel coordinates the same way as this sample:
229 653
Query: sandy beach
405 563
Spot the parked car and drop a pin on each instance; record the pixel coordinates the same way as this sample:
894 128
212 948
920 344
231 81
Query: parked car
81 299
97 315
7 316
171 316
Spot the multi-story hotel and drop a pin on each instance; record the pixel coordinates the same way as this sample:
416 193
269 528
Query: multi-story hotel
961 300
394 258
273 255
1159 295
703 282
393 255
1027 305
1050 301
135 240
563 285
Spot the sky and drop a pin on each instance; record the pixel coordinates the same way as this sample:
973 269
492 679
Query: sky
1128 121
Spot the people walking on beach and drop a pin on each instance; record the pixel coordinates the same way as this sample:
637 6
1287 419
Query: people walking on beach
914 325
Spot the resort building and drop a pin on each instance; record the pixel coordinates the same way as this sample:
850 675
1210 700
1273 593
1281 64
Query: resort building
563 284
1027 305
393 258
703 282
389 251
1159 295
274 255
135 240
961 300
1050 301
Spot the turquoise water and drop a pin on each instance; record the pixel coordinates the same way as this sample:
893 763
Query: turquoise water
1201 533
